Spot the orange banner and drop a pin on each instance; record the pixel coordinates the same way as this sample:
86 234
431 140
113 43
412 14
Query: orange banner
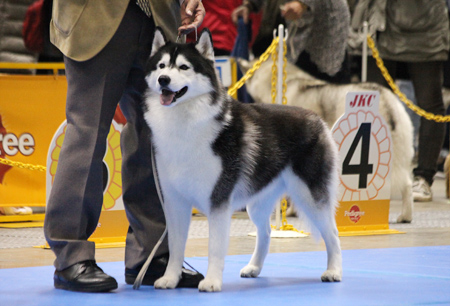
32 116
362 213
31 109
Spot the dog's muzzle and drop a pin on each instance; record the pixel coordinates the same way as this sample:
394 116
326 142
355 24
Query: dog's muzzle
168 96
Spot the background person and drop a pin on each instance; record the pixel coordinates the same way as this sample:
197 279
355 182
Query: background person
412 37
317 33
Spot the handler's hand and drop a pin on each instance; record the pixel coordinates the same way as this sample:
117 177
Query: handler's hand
192 14
293 10
241 11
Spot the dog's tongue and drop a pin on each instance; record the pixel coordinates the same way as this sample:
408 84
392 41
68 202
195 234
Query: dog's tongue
166 97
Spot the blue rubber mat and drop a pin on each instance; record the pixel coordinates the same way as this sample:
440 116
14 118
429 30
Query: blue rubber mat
397 276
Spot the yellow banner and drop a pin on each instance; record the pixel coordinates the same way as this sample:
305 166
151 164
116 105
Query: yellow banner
362 213
31 109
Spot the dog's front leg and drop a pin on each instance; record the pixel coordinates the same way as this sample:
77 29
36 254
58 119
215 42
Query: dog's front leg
219 231
178 216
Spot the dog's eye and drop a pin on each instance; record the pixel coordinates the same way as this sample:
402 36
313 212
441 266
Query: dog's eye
184 67
161 66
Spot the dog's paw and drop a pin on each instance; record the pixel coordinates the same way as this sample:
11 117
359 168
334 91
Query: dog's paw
166 283
250 271
404 219
210 285
332 276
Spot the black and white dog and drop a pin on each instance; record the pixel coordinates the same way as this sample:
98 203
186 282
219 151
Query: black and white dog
219 155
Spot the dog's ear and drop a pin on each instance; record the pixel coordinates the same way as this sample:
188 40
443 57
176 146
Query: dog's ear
159 40
205 45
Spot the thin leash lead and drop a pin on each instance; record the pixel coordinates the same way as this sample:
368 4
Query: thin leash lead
179 36
138 282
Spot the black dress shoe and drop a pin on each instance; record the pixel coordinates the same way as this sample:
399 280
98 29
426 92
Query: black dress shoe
189 278
84 276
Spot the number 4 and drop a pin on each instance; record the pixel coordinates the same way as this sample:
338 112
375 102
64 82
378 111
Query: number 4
364 168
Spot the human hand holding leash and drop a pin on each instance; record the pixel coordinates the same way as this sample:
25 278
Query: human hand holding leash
242 11
192 15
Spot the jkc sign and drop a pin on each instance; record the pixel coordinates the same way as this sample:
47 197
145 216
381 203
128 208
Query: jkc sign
365 150
362 100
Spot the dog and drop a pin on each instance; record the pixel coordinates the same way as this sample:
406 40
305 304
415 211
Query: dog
219 155
328 101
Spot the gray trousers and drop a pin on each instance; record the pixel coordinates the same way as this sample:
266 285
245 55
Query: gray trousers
95 87
427 79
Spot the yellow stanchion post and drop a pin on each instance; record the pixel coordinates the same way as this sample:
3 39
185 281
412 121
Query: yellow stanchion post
282 229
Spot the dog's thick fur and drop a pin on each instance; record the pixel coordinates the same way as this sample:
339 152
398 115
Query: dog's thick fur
219 155
328 101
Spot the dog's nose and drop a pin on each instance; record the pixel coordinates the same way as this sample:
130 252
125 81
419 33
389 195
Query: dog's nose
164 80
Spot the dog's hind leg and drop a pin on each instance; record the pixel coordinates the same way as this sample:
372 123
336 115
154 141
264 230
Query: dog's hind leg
260 215
219 220
321 215
407 198
329 232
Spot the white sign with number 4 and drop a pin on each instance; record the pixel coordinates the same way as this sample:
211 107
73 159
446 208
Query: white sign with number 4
365 149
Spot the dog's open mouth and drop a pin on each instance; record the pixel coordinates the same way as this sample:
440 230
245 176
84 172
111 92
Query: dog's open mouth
168 97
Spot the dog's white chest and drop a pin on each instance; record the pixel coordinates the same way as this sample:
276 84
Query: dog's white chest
184 156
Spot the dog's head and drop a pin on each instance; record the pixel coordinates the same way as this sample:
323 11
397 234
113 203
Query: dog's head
179 72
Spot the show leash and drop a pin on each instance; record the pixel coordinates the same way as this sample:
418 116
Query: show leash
138 282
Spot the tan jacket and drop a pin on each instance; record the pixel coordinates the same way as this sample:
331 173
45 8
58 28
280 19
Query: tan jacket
82 28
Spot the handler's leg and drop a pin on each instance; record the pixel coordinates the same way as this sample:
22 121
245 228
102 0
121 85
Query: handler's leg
427 78
73 209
